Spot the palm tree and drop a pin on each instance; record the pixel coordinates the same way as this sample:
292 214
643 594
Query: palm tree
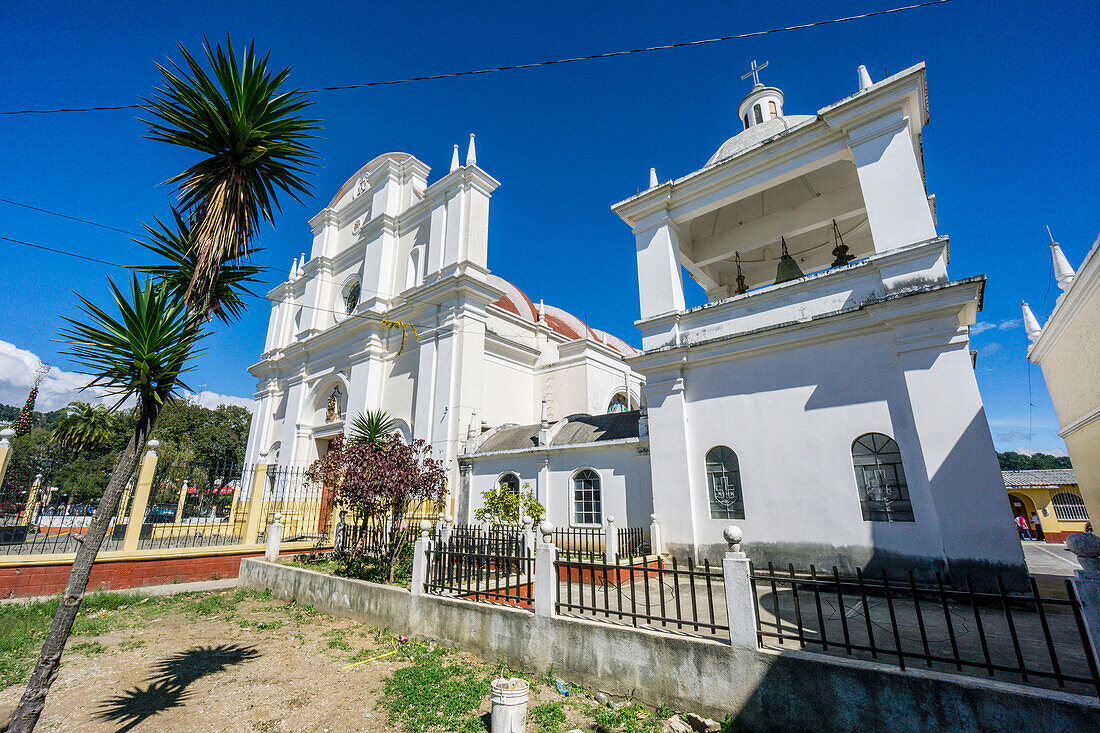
84 427
254 142
141 353
254 145
372 427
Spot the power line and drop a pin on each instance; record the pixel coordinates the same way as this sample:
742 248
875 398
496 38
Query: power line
62 252
536 64
72 218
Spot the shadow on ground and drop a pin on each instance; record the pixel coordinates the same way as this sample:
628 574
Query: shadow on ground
167 686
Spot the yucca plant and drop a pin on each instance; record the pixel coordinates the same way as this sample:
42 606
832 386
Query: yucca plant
371 427
224 298
139 354
84 427
255 142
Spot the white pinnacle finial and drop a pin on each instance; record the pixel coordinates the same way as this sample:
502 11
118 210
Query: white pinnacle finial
542 311
475 426
653 178
1031 323
294 268
454 160
864 78
544 419
302 264
471 152
1063 273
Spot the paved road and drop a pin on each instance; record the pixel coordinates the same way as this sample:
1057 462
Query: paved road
1049 559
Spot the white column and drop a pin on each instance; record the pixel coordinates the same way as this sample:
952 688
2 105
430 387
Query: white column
655 546
660 282
891 182
669 457
420 558
546 574
737 580
274 538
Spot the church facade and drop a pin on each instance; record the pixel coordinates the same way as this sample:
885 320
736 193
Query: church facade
823 399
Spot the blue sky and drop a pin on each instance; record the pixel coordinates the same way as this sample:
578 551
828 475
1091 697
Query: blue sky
1011 145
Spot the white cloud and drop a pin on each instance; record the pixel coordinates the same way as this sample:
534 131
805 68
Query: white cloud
60 387
1014 323
211 400
981 327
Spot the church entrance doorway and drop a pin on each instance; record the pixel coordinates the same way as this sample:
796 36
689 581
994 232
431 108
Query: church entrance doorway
1023 507
328 492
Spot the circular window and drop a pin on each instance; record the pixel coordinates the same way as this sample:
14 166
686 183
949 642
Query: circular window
349 297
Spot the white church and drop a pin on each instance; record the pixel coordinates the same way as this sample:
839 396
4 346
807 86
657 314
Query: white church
823 399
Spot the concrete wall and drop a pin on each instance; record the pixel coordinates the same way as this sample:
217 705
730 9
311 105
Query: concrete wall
766 690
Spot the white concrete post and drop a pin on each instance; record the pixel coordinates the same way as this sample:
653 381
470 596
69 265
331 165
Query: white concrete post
1086 584
528 536
610 542
740 606
421 548
655 547
448 530
439 527
274 539
546 574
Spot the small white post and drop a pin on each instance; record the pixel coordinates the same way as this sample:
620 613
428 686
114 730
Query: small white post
421 548
546 574
439 527
740 606
610 542
528 534
448 530
655 546
274 539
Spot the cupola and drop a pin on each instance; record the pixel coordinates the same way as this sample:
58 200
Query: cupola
761 103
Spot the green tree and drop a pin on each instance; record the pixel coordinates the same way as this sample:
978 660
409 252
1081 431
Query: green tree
500 505
84 427
372 427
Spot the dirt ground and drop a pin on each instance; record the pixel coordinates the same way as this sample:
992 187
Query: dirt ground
236 662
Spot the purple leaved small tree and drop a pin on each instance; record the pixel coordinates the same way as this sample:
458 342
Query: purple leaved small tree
382 480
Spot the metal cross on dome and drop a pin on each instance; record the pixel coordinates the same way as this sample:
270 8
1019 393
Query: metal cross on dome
754 72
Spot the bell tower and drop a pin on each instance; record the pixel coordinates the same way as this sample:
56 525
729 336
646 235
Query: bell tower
762 103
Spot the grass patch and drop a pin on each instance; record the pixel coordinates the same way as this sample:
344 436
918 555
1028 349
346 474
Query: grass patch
87 647
631 718
339 642
130 644
549 717
431 694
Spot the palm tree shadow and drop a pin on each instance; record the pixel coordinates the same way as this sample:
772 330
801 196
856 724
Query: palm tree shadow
167 687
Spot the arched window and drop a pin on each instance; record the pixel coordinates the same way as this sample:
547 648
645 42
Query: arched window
587 504
880 479
412 271
619 403
746 120
772 109
757 114
724 484
349 294
510 481
1068 507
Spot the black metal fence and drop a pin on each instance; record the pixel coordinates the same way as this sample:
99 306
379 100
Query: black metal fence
631 541
579 543
670 596
503 575
503 540
194 505
1019 637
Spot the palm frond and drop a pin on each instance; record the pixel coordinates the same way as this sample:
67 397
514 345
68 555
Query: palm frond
141 352
224 297
372 427
254 141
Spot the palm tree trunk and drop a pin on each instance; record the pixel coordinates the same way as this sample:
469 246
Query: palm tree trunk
26 713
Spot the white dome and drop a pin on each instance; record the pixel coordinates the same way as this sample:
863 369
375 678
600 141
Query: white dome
758 134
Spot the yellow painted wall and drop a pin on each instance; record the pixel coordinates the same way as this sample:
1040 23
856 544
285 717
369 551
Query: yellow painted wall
1084 452
1043 499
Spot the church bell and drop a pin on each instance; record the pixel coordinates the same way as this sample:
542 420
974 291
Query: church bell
788 269
840 251
741 287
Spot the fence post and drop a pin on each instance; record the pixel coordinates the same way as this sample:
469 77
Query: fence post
420 558
255 505
180 503
655 546
448 530
141 497
5 451
546 574
610 542
1086 585
737 580
274 538
528 533
32 499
